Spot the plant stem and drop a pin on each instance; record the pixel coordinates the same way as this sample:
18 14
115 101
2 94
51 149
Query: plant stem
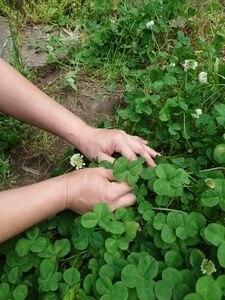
168 209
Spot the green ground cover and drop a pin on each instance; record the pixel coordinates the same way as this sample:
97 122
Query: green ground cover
170 57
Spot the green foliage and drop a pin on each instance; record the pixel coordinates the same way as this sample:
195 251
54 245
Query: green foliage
10 139
147 251
11 133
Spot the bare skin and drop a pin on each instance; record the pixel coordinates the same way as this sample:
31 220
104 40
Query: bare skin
80 190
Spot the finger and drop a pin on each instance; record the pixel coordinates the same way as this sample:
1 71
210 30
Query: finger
140 139
126 151
124 201
152 152
120 189
104 156
105 173
150 162
142 151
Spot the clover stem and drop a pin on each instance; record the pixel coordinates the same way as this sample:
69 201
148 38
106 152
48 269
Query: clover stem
73 256
168 209
207 170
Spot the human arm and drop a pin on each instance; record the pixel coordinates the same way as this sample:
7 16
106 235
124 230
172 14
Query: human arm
21 99
78 191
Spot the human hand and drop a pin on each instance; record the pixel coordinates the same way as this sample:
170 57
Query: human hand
87 187
102 143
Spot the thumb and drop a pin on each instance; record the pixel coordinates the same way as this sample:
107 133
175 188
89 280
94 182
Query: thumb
108 174
124 201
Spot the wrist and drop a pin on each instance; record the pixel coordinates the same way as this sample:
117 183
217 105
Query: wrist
57 188
71 195
78 133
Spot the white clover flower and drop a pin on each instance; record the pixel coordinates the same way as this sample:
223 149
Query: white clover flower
172 64
207 267
198 113
77 161
202 77
150 24
190 64
210 183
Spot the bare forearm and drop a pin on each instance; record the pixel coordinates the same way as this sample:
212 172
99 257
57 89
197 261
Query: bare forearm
21 99
23 207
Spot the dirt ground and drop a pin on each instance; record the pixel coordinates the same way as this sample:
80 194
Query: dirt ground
36 158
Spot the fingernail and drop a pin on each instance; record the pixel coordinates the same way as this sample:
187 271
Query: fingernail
158 154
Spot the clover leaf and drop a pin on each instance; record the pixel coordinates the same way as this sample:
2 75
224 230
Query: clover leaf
123 170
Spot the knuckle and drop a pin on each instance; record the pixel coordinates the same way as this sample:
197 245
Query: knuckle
142 152
119 133
109 196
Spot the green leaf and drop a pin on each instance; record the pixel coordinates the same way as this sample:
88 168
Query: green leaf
221 255
148 173
132 179
89 282
71 276
131 228
193 296
215 234
23 246
117 227
145 289
208 288
157 86
165 171
4 290
20 292
173 259
210 198
103 285
111 245
101 211
162 187
172 275
47 252
14 275
106 271
170 80
120 213
123 169
119 291
80 242
120 169
51 284
163 290
181 233
39 245
89 220
221 281
47 268
180 290
62 247
159 221
147 266
33 233
196 258
168 235
130 276
175 219
96 240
